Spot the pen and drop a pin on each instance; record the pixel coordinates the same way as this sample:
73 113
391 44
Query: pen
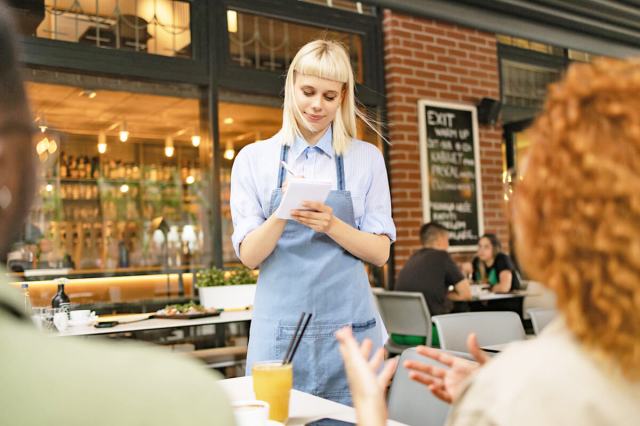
242 308
286 167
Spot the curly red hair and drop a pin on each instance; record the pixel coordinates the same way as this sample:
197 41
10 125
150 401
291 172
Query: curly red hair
577 207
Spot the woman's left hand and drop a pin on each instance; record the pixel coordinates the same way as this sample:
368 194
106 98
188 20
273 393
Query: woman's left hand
367 380
318 217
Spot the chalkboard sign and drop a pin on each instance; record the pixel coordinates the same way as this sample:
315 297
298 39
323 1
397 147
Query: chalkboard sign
450 168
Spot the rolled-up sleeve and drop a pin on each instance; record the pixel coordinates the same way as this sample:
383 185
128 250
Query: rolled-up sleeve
377 206
246 210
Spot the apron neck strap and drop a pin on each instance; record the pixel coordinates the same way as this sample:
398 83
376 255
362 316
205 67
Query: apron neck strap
284 153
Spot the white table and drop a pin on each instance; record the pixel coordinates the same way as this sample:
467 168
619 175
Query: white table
303 407
487 295
157 323
495 348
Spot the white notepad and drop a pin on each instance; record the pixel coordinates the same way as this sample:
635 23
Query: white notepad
300 190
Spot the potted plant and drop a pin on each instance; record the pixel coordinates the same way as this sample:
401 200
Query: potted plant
231 289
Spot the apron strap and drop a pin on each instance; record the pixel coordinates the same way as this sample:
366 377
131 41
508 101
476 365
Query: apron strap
340 172
284 153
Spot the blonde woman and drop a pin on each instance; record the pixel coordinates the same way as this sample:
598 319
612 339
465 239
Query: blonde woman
313 263
579 191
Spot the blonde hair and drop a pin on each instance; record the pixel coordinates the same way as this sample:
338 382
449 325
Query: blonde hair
581 190
329 60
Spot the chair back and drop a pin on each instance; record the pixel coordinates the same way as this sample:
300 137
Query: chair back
491 328
540 318
538 297
412 403
405 312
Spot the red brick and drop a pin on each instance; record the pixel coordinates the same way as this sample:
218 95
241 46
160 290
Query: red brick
424 54
446 42
458 53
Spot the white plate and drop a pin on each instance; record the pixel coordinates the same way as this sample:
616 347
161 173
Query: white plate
80 323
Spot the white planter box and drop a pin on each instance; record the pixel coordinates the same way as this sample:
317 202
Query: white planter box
228 296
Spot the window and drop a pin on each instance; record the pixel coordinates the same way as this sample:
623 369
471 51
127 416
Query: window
270 44
159 27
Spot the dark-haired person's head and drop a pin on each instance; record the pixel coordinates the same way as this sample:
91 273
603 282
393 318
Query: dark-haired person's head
488 247
434 235
17 156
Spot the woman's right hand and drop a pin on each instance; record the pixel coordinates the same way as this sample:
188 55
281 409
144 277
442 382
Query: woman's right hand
447 384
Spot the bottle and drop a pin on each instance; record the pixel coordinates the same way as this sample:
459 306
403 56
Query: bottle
27 302
63 165
61 300
123 255
87 167
72 168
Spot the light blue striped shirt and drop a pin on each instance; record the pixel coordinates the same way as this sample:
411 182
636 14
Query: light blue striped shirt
255 175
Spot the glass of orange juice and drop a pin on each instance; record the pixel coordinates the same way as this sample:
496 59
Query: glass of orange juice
272 383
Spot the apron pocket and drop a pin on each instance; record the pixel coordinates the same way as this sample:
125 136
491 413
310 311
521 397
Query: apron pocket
317 366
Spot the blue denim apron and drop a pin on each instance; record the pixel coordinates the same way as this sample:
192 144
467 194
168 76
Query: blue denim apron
309 272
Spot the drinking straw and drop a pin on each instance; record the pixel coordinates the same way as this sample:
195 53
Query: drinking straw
293 338
295 347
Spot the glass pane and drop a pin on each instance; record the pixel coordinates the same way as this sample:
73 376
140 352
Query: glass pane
525 85
269 44
123 189
577 55
240 125
159 27
530 45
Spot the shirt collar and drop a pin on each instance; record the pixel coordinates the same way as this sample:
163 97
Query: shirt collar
325 144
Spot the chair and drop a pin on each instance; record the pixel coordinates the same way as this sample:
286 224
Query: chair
412 403
404 313
540 318
491 328
538 297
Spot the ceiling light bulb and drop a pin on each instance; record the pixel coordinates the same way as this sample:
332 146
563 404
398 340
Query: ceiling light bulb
42 146
124 188
190 179
53 145
232 21
229 153
228 120
102 142
49 187
124 133
195 140
168 147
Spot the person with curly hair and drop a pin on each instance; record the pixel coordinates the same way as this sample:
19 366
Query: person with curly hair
576 211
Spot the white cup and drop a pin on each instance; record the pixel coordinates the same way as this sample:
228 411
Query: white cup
81 315
61 321
251 413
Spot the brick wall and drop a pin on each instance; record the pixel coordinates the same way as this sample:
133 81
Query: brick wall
436 60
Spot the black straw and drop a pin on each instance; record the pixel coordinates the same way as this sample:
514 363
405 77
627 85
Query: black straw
295 347
293 339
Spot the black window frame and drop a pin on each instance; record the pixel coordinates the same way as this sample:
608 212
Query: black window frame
95 60
234 77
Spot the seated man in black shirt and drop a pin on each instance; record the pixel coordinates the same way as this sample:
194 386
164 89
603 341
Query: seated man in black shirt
431 271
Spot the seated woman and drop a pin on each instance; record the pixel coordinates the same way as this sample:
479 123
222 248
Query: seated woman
584 369
493 267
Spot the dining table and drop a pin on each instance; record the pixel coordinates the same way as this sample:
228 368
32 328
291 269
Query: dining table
303 407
